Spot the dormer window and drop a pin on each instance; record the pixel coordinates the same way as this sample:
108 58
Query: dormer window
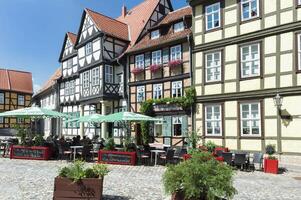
155 34
213 16
178 27
88 48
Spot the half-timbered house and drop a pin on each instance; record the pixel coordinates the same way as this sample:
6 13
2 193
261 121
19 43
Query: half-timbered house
159 68
48 97
16 90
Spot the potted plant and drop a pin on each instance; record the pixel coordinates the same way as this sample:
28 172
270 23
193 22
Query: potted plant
210 146
137 70
199 178
155 67
175 63
79 182
271 162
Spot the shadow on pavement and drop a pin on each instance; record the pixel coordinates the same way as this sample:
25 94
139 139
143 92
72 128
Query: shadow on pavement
113 197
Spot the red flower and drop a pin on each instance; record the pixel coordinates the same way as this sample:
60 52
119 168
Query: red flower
175 63
137 70
155 67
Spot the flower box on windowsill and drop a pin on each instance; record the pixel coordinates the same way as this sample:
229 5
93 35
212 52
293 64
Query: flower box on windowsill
175 63
137 70
154 68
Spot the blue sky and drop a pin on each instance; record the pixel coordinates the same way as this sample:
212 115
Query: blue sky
32 31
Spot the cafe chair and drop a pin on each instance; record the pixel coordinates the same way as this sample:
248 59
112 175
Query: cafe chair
64 152
227 157
240 160
257 159
169 157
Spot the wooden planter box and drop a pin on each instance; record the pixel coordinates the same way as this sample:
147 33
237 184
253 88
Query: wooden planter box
86 189
271 166
30 153
117 157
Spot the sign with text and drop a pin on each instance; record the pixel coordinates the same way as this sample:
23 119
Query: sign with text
166 107
30 153
117 157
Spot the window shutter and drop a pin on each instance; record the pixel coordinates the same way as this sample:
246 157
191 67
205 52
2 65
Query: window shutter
165 56
184 125
167 129
147 58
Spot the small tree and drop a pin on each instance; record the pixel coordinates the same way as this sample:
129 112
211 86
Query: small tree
270 149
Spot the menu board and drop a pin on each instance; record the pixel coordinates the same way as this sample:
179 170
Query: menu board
34 153
115 157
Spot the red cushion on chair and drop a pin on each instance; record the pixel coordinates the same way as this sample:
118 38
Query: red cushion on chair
221 159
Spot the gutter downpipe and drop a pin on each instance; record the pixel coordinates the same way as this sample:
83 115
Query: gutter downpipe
191 80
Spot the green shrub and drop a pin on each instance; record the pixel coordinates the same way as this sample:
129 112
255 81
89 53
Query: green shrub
201 177
110 145
39 140
210 146
270 149
77 171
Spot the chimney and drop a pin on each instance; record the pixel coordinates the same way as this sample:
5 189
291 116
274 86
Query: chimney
123 11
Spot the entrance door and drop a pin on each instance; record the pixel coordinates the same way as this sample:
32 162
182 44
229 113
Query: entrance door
139 138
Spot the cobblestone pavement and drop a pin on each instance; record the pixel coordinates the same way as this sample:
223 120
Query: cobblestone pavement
22 180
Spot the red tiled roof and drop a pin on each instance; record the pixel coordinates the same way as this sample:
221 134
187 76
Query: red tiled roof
109 25
17 81
51 81
72 37
171 36
137 17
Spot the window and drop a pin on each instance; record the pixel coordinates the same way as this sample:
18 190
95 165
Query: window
71 87
178 27
213 16
67 89
1 98
158 128
250 119
139 61
86 79
298 49
69 63
156 57
140 94
213 122
250 60
155 34
95 76
213 66
177 126
249 9
176 53
88 48
157 93
108 74
299 2
1 120
177 89
21 100
20 120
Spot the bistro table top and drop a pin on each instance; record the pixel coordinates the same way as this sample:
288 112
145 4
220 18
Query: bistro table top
157 151
76 147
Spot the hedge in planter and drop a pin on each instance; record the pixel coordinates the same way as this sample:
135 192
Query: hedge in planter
199 178
78 182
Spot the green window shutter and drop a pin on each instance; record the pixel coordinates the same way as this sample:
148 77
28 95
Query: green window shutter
165 56
184 125
147 59
167 129
77 115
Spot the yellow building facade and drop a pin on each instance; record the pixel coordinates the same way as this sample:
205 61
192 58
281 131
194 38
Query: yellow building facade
245 53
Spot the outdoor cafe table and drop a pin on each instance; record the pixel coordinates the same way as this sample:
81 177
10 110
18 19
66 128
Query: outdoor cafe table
156 151
74 150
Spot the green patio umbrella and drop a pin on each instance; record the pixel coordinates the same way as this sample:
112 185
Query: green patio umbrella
94 118
128 117
34 112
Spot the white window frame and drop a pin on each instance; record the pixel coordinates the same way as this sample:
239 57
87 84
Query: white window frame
1 120
21 100
86 79
155 34
250 61
88 48
212 13
299 49
67 89
176 52
109 74
178 27
249 2
158 123
2 99
70 63
299 2
216 66
71 87
175 121
20 120
95 76
139 61
158 91
157 57
250 118
177 89
140 93
213 120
